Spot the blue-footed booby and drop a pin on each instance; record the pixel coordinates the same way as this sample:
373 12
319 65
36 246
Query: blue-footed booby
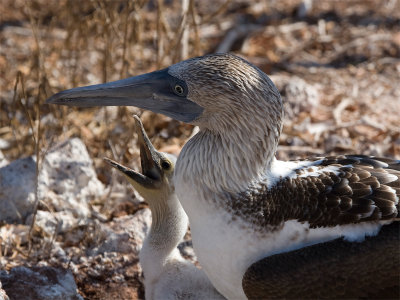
167 275
244 205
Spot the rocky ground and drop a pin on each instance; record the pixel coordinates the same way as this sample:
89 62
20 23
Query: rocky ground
71 228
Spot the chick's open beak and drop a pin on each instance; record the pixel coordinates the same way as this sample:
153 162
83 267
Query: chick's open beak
151 174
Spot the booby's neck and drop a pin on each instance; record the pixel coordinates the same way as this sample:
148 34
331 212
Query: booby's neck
169 225
228 160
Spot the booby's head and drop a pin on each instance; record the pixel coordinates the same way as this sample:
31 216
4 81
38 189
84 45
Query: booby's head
216 92
154 184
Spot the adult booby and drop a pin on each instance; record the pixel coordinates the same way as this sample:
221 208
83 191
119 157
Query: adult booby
242 203
167 275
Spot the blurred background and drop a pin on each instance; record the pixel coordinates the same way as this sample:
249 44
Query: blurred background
335 62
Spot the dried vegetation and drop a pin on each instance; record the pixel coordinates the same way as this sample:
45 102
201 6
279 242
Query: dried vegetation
337 66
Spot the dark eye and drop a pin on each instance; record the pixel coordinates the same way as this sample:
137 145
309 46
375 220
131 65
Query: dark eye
166 165
179 89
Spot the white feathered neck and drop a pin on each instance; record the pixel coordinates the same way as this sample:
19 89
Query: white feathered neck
169 225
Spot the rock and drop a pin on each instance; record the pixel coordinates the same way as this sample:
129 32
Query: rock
4 144
125 234
297 95
67 182
17 190
11 235
303 9
336 142
3 160
39 283
62 221
3 295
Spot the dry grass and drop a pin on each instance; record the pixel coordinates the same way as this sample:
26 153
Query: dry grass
349 51
48 46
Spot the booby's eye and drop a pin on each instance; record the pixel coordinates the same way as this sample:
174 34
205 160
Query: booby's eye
166 165
179 90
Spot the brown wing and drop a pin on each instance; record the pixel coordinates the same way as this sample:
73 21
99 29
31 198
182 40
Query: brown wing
335 269
353 189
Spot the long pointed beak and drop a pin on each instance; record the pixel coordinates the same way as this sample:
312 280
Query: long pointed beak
154 91
137 179
151 173
148 154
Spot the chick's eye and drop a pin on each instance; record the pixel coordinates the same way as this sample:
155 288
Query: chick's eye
179 89
165 165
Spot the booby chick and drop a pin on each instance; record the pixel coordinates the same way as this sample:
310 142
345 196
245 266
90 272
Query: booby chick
167 275
243 204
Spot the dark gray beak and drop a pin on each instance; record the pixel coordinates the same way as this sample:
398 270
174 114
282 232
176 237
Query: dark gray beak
138 178
157 91
149 159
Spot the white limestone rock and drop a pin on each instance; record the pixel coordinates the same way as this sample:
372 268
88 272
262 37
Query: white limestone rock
60 222
125 234
3 295
297 95
335 142
4 144
67 182
45 283
17 190
11 235
3 160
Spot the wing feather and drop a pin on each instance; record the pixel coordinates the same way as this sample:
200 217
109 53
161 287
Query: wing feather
335 270
339 190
